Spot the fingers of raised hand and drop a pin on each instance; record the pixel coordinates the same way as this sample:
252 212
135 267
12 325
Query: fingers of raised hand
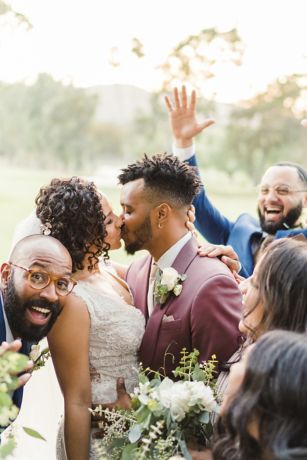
184 97
168 104
205 124
176 98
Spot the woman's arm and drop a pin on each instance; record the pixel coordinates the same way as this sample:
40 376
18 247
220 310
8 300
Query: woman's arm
69 346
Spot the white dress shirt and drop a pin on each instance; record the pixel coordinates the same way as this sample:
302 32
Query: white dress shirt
184 153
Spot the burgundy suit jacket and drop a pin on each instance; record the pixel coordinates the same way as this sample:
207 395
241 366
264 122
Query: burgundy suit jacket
206 313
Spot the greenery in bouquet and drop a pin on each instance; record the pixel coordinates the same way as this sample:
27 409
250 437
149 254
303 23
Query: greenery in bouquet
166 415
11 364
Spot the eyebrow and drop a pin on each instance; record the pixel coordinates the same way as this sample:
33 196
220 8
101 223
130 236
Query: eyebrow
43 266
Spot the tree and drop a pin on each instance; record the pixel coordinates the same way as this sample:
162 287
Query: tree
266 129
198 58
9 13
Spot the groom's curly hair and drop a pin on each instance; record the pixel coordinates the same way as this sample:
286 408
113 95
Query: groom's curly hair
73 209
165 177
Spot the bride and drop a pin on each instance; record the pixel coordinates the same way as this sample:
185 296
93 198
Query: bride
98 334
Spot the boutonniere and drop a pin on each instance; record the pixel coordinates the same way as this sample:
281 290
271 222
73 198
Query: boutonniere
168 282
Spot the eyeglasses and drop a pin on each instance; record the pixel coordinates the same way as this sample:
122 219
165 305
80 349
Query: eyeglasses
39 279
280 190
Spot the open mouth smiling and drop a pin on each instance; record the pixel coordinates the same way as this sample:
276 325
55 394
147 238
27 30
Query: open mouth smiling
273 212
38 315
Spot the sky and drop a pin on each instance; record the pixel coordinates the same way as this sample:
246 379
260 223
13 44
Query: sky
73 40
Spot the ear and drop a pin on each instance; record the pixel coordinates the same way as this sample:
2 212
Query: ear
5 272
162 213
305 201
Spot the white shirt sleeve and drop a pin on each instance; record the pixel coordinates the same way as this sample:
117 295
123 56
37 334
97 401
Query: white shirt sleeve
184 153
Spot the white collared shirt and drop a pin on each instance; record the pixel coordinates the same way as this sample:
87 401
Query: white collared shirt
184 153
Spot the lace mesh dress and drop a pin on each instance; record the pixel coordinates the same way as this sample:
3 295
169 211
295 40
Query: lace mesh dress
116 332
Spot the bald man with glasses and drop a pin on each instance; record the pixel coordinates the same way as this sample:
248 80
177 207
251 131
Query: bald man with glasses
33 288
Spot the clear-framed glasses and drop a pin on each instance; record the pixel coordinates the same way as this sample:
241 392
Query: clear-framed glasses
280 190
39 279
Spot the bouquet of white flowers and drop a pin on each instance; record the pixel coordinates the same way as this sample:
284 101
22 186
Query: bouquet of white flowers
166 415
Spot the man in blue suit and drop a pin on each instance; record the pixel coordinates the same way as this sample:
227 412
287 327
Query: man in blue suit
33 287
282 194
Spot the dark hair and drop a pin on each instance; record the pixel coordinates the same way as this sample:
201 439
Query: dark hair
273 395
302 173
282 286
73 208
166 177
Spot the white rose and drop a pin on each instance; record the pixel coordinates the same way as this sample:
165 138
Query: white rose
169 278
177 289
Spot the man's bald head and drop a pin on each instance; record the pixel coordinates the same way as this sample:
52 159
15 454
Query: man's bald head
39 244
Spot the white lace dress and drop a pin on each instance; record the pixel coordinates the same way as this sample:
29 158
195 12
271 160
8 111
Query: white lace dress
115 336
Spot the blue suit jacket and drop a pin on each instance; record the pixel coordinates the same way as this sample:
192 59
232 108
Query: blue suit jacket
217 229
25 349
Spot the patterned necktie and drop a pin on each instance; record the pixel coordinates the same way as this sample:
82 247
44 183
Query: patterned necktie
151 285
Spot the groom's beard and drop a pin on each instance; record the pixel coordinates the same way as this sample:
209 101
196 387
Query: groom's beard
137 240
15 310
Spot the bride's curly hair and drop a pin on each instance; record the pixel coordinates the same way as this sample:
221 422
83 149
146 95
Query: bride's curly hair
72 209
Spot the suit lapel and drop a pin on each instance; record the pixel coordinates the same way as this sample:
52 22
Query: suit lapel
151 336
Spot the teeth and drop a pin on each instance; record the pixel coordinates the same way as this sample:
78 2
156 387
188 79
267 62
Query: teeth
41 310
273 209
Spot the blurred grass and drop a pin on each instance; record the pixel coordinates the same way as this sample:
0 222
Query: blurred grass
19 187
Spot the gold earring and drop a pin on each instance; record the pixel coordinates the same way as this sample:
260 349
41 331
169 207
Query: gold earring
159 225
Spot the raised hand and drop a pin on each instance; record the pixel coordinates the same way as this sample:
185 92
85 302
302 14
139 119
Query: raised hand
182 116
304 123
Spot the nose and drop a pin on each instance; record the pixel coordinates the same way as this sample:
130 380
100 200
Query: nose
272 194
119 221
49 293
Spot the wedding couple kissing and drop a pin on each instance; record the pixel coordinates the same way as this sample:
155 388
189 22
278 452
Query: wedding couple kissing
148 312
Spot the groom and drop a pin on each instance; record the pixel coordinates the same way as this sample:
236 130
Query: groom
156 195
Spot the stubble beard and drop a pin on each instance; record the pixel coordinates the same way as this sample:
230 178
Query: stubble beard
142 237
